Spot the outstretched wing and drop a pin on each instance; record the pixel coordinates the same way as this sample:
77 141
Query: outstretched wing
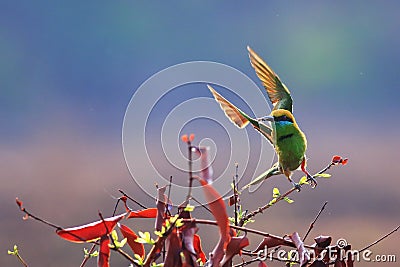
238 117
278 93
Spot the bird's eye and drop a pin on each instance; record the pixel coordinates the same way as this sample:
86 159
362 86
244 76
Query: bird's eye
283 118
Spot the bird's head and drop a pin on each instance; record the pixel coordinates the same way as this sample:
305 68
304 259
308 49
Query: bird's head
281 115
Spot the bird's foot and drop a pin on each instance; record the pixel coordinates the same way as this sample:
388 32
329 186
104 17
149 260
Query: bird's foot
312 181
297 186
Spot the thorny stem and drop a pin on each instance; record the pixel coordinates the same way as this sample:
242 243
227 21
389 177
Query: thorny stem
313 222
133 200
380 239
281 197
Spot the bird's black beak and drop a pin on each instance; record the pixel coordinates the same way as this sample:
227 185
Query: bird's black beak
266 118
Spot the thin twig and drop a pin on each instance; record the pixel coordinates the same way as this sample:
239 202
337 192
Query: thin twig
313 222
248 230
116 206
133 200
58 228
281 197
268 256
168 197
201 204
87 256
190 171
261 209
380 239
235 194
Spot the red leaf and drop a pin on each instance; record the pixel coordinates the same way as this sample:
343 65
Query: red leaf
198 248
336 159
173 245
262 264
323 241
131 236
318 263
185 138
191 137
146 213
339 160
104 255
234 247
188 233
218 209
91 231
19 203
206 168
161 203
269 242
304 256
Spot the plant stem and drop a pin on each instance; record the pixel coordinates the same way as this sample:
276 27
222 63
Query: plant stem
313 222
380 239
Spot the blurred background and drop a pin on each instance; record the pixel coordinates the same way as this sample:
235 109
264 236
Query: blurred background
69 69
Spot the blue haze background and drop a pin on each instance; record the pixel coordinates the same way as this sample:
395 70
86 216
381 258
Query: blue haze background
69 69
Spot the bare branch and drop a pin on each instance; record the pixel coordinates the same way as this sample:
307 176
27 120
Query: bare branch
315 220
132 199
380 239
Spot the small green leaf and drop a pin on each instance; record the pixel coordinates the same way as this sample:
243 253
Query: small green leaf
158 233
123 242
189 208
275 192
114 235
323 175
145 238
94 254
288 200
179 223
153 264
272 202
139 261
303 180
14 252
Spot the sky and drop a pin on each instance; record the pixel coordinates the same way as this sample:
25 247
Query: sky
69 70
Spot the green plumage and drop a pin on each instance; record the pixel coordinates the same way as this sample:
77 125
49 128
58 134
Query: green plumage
285 135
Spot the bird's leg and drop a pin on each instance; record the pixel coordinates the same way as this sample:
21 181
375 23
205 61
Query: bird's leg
309 176
295 185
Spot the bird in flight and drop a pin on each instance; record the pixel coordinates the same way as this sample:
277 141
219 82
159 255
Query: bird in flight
284 134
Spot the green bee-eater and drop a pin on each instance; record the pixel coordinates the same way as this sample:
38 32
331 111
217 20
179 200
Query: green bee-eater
288 140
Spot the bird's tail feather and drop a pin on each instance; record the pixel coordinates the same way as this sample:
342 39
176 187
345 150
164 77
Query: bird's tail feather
274 170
